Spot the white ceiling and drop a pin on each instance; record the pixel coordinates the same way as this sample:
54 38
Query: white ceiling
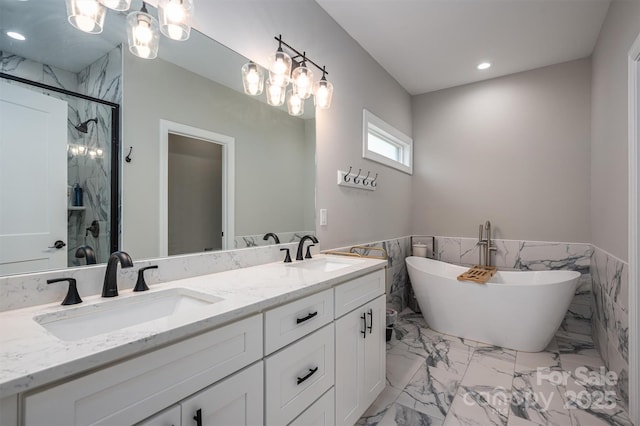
428 45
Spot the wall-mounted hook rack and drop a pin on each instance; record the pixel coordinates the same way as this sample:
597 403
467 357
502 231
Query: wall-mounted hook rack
357 180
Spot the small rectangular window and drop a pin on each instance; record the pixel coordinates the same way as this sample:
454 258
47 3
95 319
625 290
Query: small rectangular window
385 144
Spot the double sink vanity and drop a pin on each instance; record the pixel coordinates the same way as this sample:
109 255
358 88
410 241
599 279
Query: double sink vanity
301 343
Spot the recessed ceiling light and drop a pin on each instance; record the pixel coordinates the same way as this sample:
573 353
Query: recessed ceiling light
16 36
484 65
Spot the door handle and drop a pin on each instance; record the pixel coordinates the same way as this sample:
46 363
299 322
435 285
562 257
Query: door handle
58 244
364 328
370 326
198 417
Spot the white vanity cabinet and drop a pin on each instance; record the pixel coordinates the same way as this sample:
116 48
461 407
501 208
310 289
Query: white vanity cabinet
315 361
237 400
135 389
299 372
360 346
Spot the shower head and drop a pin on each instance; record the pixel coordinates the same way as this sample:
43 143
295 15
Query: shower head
84 127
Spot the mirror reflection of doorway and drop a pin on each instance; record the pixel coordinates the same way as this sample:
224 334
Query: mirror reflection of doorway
195 195
197 190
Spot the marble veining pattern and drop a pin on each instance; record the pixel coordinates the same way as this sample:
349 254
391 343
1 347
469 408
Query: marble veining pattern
610 324
241 293
490 385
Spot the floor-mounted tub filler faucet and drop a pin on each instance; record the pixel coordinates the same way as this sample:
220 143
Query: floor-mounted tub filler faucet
485 243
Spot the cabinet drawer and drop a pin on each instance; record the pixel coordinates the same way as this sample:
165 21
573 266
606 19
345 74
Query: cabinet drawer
133 390
359 291
298 375
294 320
321 413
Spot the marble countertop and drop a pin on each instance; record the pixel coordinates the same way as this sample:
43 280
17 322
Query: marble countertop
30 356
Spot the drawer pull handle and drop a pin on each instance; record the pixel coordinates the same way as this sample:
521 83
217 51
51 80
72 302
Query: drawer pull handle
370 326
311 372
308 317
364 328
198 417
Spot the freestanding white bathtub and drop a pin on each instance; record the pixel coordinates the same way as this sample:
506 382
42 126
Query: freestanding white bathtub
520 310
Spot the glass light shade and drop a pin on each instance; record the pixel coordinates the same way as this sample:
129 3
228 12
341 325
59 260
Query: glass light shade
86 15
119 5
143 35
302 80
280 68
252 79
175 18
323 92
275 94
295 104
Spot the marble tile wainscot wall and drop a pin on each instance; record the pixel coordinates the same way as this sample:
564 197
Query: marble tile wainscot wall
256 240
610 278
20 291
533 256
397 277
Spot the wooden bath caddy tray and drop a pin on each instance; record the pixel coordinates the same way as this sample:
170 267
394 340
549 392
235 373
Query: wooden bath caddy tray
478 274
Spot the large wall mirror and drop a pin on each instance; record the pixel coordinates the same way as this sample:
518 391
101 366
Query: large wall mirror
157 157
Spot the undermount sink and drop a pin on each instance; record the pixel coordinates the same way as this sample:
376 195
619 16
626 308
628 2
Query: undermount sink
122 312
326 264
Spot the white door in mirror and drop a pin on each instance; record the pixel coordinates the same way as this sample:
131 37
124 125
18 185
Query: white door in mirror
33 143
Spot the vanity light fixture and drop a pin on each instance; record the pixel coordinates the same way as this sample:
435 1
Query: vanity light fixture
16 36
252 79
142 29
86 15
302 79
143 33
175 18
275 93
280 66
323 92
295 104
484 65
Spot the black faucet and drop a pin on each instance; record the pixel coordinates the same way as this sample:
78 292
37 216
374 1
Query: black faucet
88 253
276 240
110 287
301 245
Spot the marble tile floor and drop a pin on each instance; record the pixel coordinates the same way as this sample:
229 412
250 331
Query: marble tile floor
435 379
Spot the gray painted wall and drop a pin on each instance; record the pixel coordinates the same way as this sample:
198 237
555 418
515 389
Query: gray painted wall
513 150
248 27
195 195
609 140
274 173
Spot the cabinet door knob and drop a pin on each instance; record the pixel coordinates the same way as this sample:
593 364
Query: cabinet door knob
364 325
307 318
198 417
370 326
311 372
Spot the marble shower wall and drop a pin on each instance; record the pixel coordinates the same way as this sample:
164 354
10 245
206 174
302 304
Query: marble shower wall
610 280
101 79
